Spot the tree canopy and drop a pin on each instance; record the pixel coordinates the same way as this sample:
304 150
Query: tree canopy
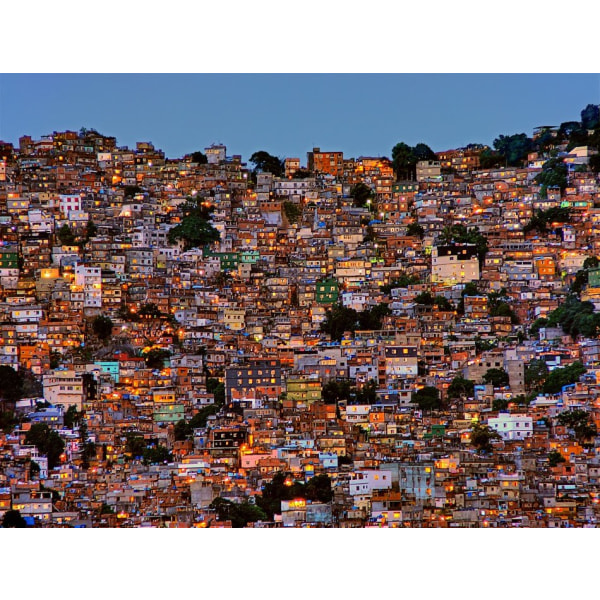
11 384
427 398
401 282
102 327
361 193
284 487
414 229
496 377
576 318
155 358
554 174
341 319
66 235
536 373
590 116
580 422
405 159
199 157
514 148
560 377
265 162
292 211
542 219
47 441
460 386
239 513
13 520
194 229
482 437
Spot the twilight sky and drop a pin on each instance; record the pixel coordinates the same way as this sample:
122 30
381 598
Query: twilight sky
286 115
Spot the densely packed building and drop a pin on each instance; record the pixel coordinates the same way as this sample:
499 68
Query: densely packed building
199 342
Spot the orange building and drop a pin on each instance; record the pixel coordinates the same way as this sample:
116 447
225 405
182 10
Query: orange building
326 162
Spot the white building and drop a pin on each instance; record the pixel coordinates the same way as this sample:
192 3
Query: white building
67 203
64 387
215 154
89 281
364 482
512 427
454 263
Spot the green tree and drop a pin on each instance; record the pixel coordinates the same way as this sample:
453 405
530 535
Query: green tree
488 159
427 398
482 437
195 231
514 148
72 416
283 487
581 280
367 394
217 388
496 377
338 320
155 358
90 230
47 441
102 327
405 158
361 193
11 384
537 325
443 303
590 116
7 421
265 162
542 219
594 163
554 174
34 469
199 158
156 454
416 230
401 282
499 404
181 430
536 373
579 421
292 211
423 152
424 298
240 514
576 318
337 390
199 420
131 190
66 235
134 445
404 161
372 319
13 520
560 377
555 458
460 386
318 489
470 289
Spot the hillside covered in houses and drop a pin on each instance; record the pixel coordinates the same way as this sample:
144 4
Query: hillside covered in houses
404 340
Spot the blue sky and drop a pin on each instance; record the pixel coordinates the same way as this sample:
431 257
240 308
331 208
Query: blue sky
288 114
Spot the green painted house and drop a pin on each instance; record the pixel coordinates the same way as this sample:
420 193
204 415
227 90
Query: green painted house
327 292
